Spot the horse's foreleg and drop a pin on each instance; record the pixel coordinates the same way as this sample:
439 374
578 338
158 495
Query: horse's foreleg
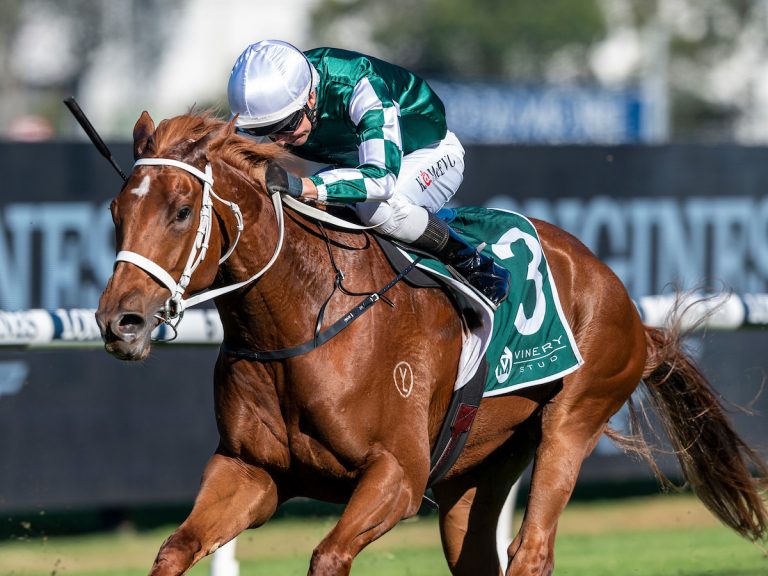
382 497
232 497
470 506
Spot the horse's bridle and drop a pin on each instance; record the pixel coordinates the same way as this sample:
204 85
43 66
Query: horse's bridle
174 307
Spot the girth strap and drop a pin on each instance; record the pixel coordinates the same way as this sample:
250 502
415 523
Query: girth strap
457 425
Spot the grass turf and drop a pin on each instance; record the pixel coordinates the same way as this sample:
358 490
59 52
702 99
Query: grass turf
654 536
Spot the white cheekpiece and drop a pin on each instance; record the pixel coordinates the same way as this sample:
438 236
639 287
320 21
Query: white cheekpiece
270 80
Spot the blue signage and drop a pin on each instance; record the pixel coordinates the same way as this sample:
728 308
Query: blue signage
489 113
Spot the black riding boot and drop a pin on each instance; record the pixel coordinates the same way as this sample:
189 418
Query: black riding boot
479 270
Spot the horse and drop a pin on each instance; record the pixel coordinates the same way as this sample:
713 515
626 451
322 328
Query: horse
329 424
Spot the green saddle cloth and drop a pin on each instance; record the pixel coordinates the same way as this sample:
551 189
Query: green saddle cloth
531 342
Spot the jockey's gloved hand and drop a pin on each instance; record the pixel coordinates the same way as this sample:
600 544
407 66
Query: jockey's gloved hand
279 180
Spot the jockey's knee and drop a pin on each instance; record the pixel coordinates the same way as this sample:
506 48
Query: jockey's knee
374 213
395 217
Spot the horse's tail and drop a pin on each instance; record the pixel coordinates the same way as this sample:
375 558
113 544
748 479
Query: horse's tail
715 461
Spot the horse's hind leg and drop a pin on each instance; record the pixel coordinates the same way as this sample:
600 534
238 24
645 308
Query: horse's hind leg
571 426
232 497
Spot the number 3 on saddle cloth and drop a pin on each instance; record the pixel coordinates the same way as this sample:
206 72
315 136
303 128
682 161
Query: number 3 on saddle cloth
525 342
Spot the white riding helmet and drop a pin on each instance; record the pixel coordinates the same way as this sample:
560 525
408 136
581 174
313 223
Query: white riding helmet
270 81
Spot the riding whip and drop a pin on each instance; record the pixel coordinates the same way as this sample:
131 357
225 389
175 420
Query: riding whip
79 115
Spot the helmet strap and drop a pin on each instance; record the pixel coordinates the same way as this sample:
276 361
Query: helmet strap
311 114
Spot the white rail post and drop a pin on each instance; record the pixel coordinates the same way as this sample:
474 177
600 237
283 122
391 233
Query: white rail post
504 527
223 561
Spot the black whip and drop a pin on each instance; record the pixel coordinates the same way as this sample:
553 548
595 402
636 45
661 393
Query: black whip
74 107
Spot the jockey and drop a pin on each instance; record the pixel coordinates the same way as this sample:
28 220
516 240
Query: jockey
383 131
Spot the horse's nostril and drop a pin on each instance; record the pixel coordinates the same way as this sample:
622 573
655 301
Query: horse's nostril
129 324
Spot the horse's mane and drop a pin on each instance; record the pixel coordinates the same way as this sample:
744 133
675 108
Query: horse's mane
190 134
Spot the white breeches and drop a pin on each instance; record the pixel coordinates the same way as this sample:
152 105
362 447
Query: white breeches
429 177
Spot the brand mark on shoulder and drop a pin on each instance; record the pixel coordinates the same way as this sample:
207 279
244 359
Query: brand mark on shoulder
403 375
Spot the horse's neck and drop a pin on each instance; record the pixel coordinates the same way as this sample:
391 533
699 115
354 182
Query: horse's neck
280 307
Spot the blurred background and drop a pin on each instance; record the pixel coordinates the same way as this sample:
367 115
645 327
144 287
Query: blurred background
559 72
638 125
573 70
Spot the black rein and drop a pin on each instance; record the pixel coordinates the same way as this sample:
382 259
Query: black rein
321 337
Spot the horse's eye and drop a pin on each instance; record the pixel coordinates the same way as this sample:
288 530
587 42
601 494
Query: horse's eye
183 214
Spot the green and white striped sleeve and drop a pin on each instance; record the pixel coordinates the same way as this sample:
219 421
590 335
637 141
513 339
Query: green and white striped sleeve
380 148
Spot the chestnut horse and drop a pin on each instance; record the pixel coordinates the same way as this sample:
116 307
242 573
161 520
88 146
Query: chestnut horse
330 424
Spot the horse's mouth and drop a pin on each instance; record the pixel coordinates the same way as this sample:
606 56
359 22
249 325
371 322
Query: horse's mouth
121 351
135 348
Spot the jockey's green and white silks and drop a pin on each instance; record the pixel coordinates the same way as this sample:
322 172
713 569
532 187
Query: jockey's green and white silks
369 114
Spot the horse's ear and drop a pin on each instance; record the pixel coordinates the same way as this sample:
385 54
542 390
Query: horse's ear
231 127
142 134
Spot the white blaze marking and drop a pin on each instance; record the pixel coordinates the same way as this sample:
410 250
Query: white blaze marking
143 187
403 375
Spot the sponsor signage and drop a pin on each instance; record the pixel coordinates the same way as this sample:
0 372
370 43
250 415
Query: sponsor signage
652 243
59 255
503 113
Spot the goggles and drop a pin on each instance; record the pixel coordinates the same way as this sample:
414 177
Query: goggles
285 126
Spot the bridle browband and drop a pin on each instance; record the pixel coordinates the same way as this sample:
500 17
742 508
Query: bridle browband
174 307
